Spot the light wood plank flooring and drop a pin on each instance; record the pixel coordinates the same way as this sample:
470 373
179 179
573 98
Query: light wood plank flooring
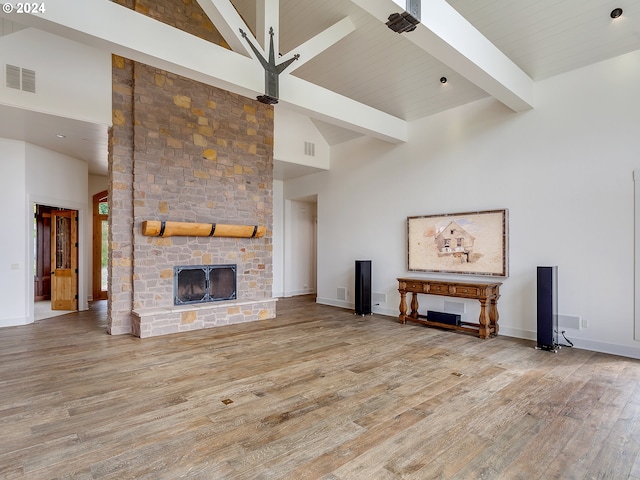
315 393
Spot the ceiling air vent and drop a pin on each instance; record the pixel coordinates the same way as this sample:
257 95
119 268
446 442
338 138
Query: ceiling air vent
310 149
20 78
13 76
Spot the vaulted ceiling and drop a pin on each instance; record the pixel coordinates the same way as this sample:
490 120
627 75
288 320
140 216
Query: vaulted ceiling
357 77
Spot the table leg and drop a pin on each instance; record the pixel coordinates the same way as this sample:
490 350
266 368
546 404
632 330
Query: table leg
414 305
493 315
484 320
402 318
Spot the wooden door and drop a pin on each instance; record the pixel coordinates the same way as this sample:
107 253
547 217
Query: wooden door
42 271
64 260
100 245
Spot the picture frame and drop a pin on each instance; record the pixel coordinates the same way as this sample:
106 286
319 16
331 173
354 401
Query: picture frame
469 243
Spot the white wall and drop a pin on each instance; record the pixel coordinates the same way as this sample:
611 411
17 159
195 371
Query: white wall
564 171
74 71
299 247
277 240
60 181
28 175
97 184
13 247
290 131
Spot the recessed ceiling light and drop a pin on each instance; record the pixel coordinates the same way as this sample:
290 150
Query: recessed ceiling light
59 135
443 79
616 12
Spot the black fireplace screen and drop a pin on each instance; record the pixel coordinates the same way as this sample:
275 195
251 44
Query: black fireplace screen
204 283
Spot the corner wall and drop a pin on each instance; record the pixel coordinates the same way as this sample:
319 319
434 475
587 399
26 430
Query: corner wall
30 174
64 70
14 253
564 171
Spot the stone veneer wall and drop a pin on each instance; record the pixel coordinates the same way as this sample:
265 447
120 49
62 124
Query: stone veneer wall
186 15
120 289
184 151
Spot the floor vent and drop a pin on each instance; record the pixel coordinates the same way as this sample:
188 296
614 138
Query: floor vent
20 78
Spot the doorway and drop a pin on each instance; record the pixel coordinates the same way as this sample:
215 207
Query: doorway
55 261
300 256
100 245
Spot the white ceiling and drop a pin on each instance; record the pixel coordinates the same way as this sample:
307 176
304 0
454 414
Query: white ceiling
387 71
78 139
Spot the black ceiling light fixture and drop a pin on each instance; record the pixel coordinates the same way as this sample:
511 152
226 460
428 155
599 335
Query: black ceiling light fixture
616 12
407 20
443 80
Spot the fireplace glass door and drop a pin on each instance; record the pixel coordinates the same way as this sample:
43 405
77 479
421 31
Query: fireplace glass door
222 283
204 283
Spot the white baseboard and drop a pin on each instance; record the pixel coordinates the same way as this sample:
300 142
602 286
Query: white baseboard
622 350
518 333
13 322
334 303
601 347
389 312
351 306
294 293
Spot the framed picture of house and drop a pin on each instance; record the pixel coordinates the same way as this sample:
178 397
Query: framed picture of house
473 243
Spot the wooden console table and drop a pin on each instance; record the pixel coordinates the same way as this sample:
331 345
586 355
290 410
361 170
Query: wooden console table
486 293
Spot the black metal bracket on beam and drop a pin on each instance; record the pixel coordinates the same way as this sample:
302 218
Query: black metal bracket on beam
405 21
402 22
271 70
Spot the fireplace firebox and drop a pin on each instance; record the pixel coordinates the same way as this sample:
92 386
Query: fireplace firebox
204 283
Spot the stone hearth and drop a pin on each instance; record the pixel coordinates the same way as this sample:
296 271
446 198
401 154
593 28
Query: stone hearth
151 322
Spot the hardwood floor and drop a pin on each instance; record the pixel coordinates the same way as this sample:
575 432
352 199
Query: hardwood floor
315 393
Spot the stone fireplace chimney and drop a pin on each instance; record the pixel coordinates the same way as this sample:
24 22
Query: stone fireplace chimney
187 152
184 151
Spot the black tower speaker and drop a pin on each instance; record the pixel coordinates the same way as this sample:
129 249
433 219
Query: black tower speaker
363 287
547 294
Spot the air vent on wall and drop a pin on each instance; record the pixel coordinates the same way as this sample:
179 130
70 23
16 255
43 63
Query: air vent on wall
20 78
28 80
13 76
310 149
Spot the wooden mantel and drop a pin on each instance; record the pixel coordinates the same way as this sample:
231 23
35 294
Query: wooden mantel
157 228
